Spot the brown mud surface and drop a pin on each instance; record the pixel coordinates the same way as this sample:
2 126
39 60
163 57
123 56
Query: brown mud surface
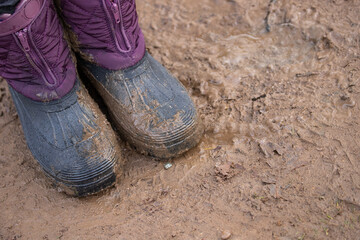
280 157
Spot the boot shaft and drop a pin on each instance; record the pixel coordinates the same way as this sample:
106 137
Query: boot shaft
106 31
34 57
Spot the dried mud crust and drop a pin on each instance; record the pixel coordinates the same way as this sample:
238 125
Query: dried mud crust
280 157
121 117
107 133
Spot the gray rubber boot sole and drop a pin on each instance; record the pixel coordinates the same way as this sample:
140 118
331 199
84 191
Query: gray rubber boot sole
151 109
71 140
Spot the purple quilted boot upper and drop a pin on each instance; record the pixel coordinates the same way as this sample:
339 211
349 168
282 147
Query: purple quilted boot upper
107 31
34 57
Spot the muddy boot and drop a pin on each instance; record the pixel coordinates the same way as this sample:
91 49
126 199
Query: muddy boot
151 109
64 129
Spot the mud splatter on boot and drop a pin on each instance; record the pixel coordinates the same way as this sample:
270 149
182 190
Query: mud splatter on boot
150 107
63 128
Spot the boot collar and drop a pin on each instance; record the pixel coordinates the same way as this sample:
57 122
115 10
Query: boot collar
25 15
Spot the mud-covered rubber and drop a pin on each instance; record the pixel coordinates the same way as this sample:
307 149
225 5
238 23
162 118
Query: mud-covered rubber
151 109
67 139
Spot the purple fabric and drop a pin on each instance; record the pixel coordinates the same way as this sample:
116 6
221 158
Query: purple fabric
45 71
106 30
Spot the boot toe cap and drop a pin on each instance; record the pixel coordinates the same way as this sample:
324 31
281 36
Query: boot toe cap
166 137
151 109
65 138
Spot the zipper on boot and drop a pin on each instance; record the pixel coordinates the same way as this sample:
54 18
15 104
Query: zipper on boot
34 57
116 24
116 12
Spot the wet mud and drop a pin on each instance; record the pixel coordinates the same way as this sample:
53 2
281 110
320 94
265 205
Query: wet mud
277 86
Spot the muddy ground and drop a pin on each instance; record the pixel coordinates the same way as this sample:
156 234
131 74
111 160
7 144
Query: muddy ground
278 86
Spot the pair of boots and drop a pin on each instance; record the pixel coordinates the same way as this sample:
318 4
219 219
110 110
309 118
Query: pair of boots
64 129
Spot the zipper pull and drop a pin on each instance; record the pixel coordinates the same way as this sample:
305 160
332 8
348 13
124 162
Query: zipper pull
22 35
115 10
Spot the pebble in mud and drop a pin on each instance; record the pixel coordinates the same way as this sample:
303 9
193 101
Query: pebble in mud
167 166
226 234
